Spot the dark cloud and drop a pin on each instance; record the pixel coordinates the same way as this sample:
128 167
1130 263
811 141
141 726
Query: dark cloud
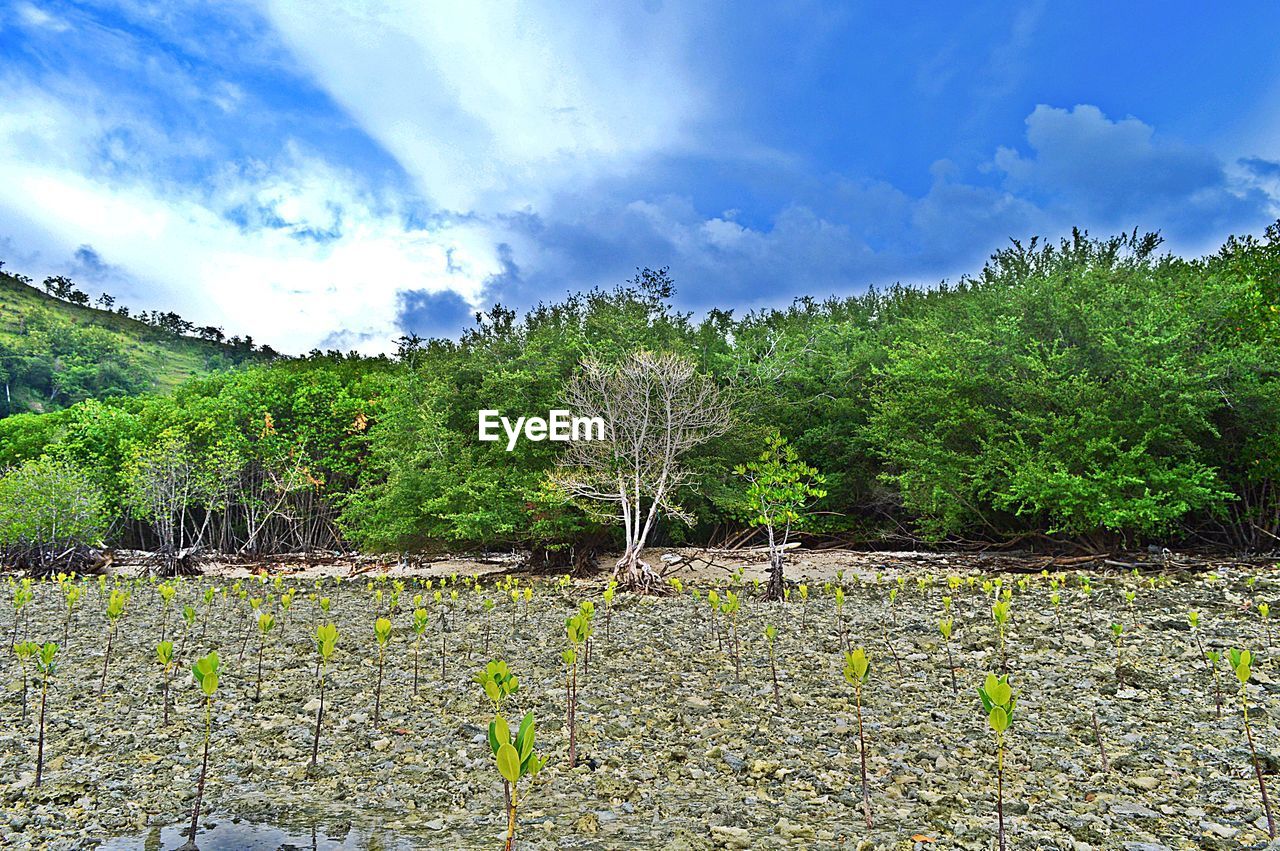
427 314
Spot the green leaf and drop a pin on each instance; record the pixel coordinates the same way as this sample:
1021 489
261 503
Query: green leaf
998 719
525 736
509 763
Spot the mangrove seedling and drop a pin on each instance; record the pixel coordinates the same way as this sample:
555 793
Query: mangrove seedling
438 599
266 622
713 601
588 611
515 757
166 590
45 662
488 607
498 683
610 590
1242 664
22 594
25 651
189 616
730 609
382 635
420 621
770 634
1000 614
944 627
998 702
839 595
326 644
1117 630
857 671
577 628
205 671
115 610
210 594
164 655
1264 612
804 603
71 592
1210 660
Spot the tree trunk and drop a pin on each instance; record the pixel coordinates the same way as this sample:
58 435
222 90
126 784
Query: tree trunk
634 574
775 590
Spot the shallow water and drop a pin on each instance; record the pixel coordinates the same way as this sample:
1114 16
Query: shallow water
230 834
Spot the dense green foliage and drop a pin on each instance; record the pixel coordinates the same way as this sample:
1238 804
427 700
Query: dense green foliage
1095 391
55 350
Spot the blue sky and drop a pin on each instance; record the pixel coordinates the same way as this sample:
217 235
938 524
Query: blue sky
335 173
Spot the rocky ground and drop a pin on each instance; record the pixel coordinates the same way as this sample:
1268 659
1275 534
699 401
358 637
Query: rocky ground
676 749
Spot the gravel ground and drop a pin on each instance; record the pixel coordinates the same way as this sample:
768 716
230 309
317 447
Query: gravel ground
675 750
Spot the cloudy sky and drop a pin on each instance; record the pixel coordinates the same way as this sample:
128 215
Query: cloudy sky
335 172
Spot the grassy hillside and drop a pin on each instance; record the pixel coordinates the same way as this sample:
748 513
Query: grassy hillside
54 353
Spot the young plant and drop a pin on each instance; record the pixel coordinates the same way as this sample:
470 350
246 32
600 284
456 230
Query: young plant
770 635
1117 630
1210 660
1242 664
515 757
45 662
326 645
25 651
839 595
577 628
1264 612
166 590
998 702
420 621
730 609
609 591
945 626
210 594
1000 614
164 655
205 671
382 635
115 610
804 604
266 623
713 601
22 595
588 611
438 599
71 593
857 671
488 607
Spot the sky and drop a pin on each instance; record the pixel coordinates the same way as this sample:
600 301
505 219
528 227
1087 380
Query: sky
334 173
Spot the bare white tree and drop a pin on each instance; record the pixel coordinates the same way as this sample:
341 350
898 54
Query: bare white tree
656 407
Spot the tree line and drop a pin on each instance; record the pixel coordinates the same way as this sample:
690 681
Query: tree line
1087 393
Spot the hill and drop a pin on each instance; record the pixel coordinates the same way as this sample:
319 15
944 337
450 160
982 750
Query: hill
55 352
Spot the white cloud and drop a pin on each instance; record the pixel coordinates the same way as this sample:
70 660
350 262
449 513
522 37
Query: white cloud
32 15
185 248
491 106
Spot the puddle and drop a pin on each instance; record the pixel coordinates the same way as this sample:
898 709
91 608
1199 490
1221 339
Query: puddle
230 834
